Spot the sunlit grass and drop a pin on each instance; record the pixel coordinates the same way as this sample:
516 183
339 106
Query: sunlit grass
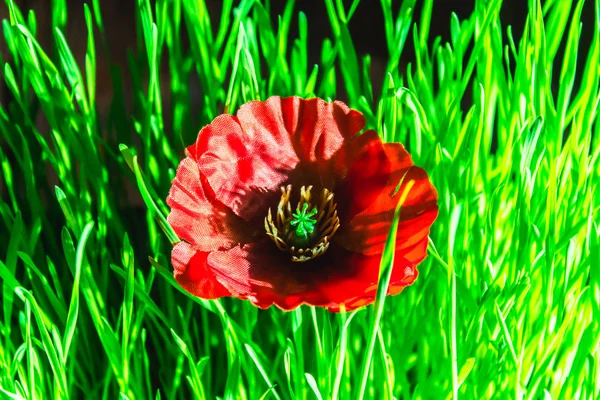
506 305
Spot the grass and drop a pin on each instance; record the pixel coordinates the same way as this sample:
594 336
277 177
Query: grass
507 305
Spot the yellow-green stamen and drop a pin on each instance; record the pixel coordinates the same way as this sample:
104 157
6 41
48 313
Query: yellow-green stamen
304 234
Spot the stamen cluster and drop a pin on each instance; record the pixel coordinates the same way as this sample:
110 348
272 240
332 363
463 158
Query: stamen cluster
297 232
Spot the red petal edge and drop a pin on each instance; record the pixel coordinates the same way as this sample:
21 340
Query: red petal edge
316 128
265 276
199 219
361 170
368 231
192 273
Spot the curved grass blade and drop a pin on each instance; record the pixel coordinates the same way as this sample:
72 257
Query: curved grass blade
387 262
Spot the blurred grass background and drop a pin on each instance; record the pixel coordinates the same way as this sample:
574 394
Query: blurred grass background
497 101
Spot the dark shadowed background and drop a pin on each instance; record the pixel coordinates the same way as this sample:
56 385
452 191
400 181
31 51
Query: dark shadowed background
366 27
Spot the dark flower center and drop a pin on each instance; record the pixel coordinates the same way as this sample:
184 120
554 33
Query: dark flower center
307 232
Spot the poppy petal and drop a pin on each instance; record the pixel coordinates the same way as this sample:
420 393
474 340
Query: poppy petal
361 171
192 273
368 230
316 128
264 275
244 168
404 273
207 225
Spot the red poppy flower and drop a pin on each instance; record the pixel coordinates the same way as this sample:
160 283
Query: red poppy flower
287 203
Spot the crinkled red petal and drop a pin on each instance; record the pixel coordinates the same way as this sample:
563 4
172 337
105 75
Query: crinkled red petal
368 230
246 159
317 129
192 273
266 276
244 168
199 219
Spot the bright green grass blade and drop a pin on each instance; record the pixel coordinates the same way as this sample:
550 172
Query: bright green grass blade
74 304
387 262
262 371
57 306
153 208
312 383
50 347
194 379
